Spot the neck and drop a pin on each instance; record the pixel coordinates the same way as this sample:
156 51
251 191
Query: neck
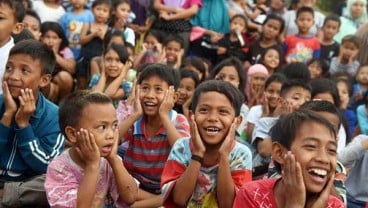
267 42
327 41
363 86
78 10
303 34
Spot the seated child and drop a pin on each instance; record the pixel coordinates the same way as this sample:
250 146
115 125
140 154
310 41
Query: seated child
318 68
304 148
173 51
30 135
209 168
90 172
152 130
360 88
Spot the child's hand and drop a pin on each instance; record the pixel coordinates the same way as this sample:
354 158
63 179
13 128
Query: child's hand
225 147
100 33
186 107
292 181
322 199
87 147
158 47
358 96
9 102
199 148
168 102
283 107
265 107
124 68
138 111
165 16
144 47
114 149
27 106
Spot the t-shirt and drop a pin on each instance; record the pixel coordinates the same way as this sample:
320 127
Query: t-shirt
64 177
329 51
256 51
204 194
47 14
301 49
233 48
259 194
292 28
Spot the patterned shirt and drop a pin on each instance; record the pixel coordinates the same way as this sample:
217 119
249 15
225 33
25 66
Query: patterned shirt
301 49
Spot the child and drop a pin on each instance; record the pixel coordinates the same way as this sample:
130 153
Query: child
362 115
295 94
32 22
48 10
62 80
329 47
151 49
271 60
304 147
152 130
209 168
360 88
318 68
121 11
14 13
72 22
111 80
90 173
297 71
30 134
234 43
91 39
345 91
302 47
174 51
346 61
257 76
198 65
272 29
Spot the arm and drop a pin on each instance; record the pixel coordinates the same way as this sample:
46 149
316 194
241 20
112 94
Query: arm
183 13
159 6
126 124
66 63
225 194
355 150
113 90
84 38
87 187
101 84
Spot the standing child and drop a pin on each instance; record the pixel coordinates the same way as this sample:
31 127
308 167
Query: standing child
90 173
48 10
121 11
92 35
234 43
72 22
346 61
302 47
209 168
329 47
152 130
30 135
304 148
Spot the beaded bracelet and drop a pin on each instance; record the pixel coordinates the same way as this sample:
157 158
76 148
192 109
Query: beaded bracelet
197 158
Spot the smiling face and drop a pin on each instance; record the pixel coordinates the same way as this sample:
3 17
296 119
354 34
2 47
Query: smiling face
229 74
100 120
214 115
112 64
185 90
315 147
172 51
258 80
33 25
296 96
272 92
271 59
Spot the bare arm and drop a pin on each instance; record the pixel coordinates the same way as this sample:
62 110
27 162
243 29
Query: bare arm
67 64
225 194
84 37
158 6
88 185
183 13
101 83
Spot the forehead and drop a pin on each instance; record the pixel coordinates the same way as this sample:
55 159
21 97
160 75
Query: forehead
238 20
305 14
173 44
102 6
123 5
31 20
228 70
208 98
155 80
187 81
24 59
98 112
6 9
349 44
332 22
315 130
297 90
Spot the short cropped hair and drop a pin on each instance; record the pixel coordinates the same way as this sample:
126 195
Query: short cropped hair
324 85
197 63
120 49
18 9
276 77
186 73
351 39
304 10
34 14
168 74
174 38
38 51
290 84
332 17
232 93
71 108
297 71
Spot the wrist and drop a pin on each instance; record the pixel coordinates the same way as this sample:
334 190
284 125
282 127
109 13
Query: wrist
197 158
22 124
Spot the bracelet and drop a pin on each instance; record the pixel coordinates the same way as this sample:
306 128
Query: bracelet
197 158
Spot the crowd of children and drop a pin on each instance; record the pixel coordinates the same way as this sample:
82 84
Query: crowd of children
183 103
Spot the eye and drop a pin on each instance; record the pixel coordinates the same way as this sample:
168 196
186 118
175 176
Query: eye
159 89
145 89
332 151
8 68
101 127
310 147
115 126
202 110
224 112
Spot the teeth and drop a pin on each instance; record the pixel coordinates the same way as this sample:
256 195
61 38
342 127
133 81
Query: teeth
149 104
319 172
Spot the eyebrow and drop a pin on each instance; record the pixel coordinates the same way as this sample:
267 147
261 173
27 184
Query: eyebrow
318 140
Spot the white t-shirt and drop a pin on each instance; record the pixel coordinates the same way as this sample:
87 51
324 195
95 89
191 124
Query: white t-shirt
292 28
255 113
46 13
244 110
4 55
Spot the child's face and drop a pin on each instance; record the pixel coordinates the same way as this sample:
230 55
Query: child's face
122 11
151 42
271 29
100 120
172 51
238 25
214 115
185 90
271 59
51 39
348 50
326 96
315 70
330 29
22 71
314 147
307 3
304 22
77 4
362 75
272 93
112 64
357 9
101 12
32 25
297 96
7 23
343 94
229 74
194 69
152 94
277 4
258 80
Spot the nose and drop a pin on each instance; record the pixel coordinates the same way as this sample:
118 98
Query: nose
212 116
14 75
322 156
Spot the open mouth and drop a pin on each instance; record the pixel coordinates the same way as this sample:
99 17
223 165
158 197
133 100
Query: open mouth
107 148
211 131
318 175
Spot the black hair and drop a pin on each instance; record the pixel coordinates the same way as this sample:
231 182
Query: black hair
114 5
71 108
33 14
187 73
174 38
166 73
120 49
17 7
197 63
280 56
322 63
241 16
332 17
25 34
277 18
297 71
324 85
56 28
293 83
304 10
276 77
157 34
347 82
37 51
236 63
351 39
112 33
234 95
99 2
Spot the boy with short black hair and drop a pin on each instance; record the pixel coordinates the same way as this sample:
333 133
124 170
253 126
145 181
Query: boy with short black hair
329 47
296 93
305 149
152 130
302 47
11 15
30 134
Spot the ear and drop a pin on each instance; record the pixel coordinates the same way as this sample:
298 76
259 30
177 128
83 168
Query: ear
45 80
18 27
238 120
71 134
176 96
278 152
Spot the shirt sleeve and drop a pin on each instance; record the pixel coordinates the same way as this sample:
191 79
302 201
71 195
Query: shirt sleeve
94 80
123 111
182 125
243 199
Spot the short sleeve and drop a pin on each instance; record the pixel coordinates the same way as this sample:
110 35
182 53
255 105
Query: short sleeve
94 80
182 125
67 53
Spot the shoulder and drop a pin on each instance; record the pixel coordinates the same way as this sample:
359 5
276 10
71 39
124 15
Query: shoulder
335 202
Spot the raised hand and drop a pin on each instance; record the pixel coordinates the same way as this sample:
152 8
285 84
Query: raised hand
321 200
27 106
225 147
9 102
265 107
138 111
168 102
114 149
199 148
87 147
